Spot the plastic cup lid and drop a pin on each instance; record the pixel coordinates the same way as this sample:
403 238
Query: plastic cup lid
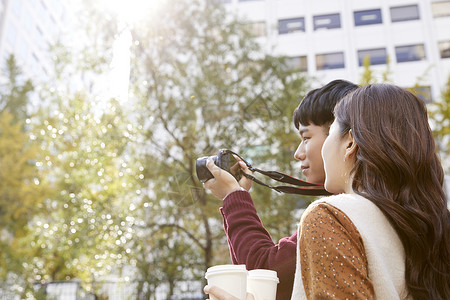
225 269
263 274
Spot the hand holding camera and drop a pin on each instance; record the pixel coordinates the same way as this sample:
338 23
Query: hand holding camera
222 174
210 171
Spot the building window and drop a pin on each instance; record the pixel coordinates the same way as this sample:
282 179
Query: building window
291 25
23 50
367 17
440 9
17 7
330 61
423 92
327 21
377 56
28 20
11 35
410 53
257 29
444 49
297 63
404 13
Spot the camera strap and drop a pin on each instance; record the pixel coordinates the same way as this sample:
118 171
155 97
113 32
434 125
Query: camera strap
300 187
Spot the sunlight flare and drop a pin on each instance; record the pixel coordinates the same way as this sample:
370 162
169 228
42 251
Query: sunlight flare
131 11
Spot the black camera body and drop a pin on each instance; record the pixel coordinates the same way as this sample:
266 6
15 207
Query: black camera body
224 160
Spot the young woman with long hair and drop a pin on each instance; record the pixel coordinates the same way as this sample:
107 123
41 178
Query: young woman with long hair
385 233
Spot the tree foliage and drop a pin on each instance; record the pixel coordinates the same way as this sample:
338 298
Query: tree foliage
14 90
370 76
23 187
439 112
77 147
202 83
122 188
92 177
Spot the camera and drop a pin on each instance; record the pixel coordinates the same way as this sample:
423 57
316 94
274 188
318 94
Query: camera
224 160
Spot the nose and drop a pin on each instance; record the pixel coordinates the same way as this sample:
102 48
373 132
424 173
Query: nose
300 152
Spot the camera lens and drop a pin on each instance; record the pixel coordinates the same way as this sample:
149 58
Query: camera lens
203 172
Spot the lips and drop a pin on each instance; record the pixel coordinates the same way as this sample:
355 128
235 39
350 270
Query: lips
304 169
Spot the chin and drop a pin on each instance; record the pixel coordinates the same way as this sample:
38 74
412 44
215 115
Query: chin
314 180
331 189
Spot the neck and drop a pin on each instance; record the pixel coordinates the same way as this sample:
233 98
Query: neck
348 189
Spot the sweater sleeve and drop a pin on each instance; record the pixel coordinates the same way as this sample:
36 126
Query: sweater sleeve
333 260
251 244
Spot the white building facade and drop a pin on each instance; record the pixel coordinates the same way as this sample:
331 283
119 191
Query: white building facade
328 39
27 28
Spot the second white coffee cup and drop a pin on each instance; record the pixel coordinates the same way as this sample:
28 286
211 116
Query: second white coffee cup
262 284
231 278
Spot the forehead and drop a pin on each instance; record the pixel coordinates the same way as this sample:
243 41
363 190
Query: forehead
312 129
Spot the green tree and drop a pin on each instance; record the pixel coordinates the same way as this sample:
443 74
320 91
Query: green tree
91 169
15 91
369 76
202 83
90 165
439 112
386 75
23 187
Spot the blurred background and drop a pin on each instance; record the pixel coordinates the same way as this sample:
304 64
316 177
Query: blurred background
106 105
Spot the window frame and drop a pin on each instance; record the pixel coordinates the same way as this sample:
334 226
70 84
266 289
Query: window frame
360 13
301 28
372 63
332 67
410 60
302 66
324 26
444 50
257 28
438 12
404 19
423 92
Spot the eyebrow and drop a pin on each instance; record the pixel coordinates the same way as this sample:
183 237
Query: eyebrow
303 130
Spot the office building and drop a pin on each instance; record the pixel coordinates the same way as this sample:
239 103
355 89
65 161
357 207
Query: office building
27 28
328 39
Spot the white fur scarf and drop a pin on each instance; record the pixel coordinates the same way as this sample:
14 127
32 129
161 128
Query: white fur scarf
384 250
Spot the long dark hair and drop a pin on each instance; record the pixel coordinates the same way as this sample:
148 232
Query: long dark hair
397 169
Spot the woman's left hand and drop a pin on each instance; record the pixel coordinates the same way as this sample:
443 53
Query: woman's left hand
220 294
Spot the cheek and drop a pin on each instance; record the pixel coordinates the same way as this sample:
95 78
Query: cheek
315 147
325 152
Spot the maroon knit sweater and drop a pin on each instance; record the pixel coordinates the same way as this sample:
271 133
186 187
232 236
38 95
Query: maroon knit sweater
251 244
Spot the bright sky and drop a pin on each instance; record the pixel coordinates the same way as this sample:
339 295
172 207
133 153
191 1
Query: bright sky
130 13
119 76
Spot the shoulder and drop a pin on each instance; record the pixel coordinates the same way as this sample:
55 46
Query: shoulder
343 210
326 216
354 212
350 204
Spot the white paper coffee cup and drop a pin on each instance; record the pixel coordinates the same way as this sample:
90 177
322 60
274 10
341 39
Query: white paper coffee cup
231 278
262 284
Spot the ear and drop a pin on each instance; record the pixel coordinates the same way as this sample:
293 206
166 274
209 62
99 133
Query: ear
351 146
